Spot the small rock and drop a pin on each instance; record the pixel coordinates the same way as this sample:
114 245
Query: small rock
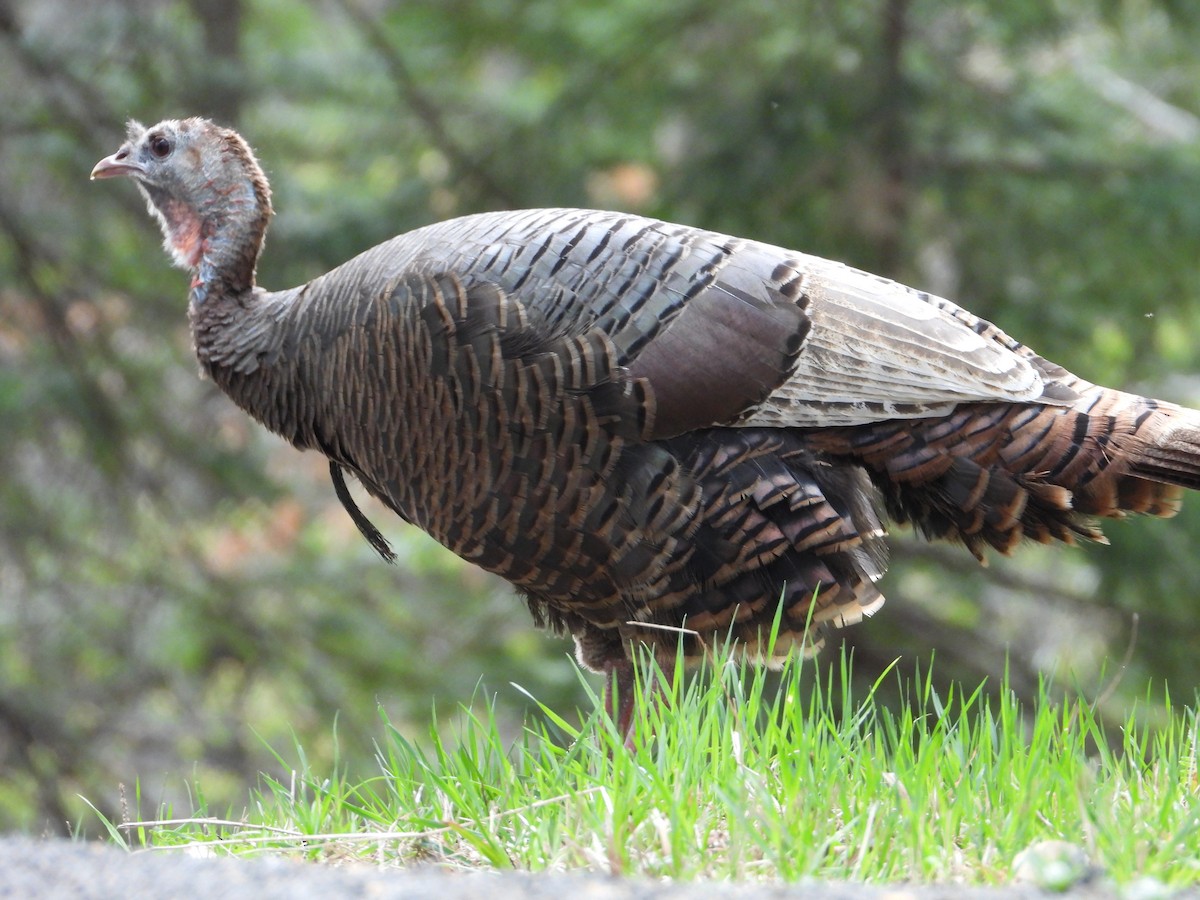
1147 888
1053 865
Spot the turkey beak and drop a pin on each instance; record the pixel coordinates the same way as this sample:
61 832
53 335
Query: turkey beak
117 164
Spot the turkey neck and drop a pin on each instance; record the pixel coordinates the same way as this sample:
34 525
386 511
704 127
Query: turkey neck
237 328
231 225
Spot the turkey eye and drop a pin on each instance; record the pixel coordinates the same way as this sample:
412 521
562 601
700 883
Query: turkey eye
159 146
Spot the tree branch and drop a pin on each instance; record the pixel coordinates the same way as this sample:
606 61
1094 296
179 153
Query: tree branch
426 110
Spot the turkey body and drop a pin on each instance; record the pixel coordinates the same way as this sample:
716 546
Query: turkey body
658 434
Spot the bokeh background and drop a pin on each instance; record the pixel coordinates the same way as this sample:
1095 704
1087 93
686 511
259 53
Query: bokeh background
180 593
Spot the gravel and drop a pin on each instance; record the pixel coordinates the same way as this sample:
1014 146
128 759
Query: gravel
35 869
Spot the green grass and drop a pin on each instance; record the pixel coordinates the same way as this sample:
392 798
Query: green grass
746 781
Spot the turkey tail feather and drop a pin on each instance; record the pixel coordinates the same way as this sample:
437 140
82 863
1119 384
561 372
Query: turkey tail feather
992 475
1174 456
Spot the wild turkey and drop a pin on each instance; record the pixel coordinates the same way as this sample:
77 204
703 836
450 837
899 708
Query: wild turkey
658 434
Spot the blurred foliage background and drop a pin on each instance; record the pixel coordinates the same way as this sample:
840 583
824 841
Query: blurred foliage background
179 591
